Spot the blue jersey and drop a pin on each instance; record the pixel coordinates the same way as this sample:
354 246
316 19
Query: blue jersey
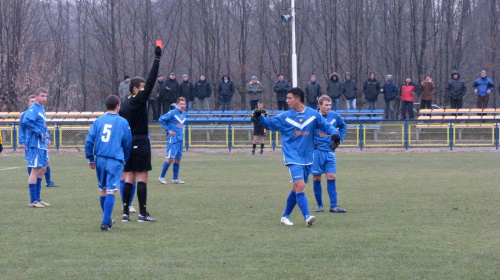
323 139
110 137
22 130
297 133
174 121
34 127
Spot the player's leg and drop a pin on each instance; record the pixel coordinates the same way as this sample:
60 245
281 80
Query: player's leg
112 173
130 177
44 159
262 141
317 170
142 195
177 161
48 179
300 176
254 142
169 158
330 171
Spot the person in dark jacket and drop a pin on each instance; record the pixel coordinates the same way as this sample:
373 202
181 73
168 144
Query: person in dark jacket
202 92
427 87
350 91
281 87
390 92
154 102
313 92
455 90
226 92
483 86
172 92
187 91
371 89
334 90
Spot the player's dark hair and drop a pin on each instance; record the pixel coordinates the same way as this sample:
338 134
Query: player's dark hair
41 90
111 102
260 102
135 82
181 99
297 92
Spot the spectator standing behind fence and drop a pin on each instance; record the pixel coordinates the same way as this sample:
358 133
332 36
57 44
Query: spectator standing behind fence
187 91
313 92
226 92
455 90
427 87
371 89
173 91
153 102
162 95
334 90
483 86
124 89
407 98
254 91
390 92
350 90
202 92
281 87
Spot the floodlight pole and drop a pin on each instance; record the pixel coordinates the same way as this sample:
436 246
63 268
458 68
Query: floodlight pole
294 52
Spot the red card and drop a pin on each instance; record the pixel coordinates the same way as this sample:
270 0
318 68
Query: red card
159 43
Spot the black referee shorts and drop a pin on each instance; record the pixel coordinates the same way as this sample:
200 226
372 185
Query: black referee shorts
140 155
258 130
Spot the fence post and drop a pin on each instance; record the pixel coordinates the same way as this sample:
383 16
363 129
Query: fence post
406 135
57 136
230 135
497 135
14 137
361 134
273 139
186 137
451 136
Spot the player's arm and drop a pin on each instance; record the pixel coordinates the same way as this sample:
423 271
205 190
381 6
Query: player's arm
165 120
89 145
273 123
153 75
30 123
342 127
126 142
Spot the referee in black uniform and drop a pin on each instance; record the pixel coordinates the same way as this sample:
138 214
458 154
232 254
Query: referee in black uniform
135 110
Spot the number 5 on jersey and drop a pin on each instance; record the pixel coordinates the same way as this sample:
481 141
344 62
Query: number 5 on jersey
106 133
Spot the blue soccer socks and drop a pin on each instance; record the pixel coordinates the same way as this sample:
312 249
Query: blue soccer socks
47 175
109 203
290 204
164 170
176 171
302 203
102 199
38 189
318 192
32 188
332 192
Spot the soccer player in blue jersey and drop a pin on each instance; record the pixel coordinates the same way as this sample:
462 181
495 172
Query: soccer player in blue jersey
107 148
22 144
298 126
35 138
324 157
173 123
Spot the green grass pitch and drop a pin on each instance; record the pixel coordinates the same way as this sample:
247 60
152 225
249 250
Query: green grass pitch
410 216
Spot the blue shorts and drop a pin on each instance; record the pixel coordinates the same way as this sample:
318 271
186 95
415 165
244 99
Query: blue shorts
37 158
324 162
299 172
174 150
109 172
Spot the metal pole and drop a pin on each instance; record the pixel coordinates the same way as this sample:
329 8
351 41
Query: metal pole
294 52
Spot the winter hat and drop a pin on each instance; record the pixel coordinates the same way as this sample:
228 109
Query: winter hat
126 77
388 77
171 74
484 71
184 75
254 78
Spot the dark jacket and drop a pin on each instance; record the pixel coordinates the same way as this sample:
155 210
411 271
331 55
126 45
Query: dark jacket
226 88
173 92
349 89
371 89
203 89
390 91
281 89
313 92
187 90
456 87
160 90
334 88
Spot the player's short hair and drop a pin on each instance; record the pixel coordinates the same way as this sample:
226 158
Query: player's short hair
181 99
324 98
135 82
31 97
40 90
297 92
260 102
111 102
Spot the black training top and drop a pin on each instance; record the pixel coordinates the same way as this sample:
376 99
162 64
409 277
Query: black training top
134 107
